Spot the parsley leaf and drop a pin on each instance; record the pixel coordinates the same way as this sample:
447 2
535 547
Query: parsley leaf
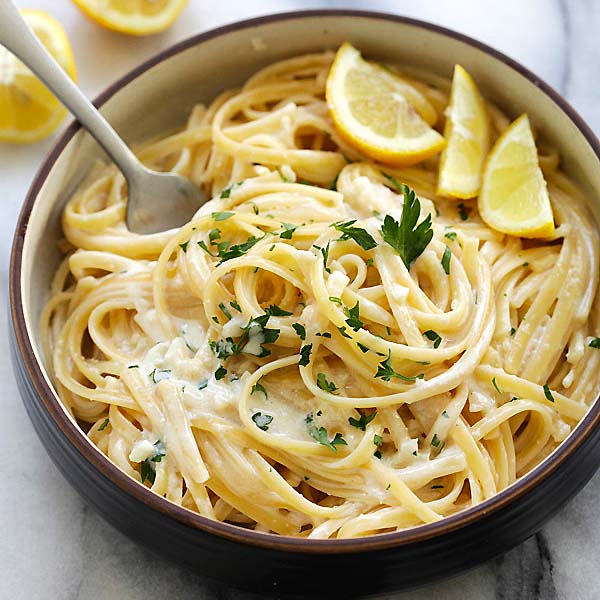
406 239
220 373
394 182
258 387
288 231
513 331
386 371
327 386
226 192
335 299
221 216
261 420
325 253
237 250
377 440
434 337
225 311
235 305
104 425
361 236
353 315
451 235
548 393
300 330
184 245
463 211
495 384
435 440
305 355
320 434
203 384
363 421
446 260
160 374
364 349
595 343
276 311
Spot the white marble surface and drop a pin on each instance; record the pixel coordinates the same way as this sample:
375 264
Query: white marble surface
53 547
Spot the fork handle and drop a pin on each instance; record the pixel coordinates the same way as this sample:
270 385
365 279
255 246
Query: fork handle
17 37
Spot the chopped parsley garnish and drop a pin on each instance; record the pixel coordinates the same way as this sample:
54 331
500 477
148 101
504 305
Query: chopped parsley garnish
222 216
203 384
437 487
324 334
445 414
525 264
361 236
305 355
288 231
513 331
227 191
435 440
255 209
406 239
258 387
104 425
335 299
300 330
133 367
215 319
283 177
377 454
220 373
237 249
184 245
451 235
434 336
327 386
272 248
363 421
342 330
261 420
235 305
160 374
463 211
394 182
147 469
277 311
325 253
353 315
320 434
548 393
386 372
595 343
378 440
446 260
225 311
213 235
364 349
369 262
495 384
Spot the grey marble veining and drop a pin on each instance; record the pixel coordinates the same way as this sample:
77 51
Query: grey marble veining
52 546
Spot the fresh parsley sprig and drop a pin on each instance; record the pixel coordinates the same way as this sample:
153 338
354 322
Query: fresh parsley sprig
406 238
363 421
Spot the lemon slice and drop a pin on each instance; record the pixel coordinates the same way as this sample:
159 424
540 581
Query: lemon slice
467 132
514 197
135 17
378 112
28 110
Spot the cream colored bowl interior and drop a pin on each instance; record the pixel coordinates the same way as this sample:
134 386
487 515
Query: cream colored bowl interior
160 99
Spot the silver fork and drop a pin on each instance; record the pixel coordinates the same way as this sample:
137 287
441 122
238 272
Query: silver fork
156 201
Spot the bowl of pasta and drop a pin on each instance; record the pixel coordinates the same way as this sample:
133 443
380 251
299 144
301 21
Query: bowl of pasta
376 346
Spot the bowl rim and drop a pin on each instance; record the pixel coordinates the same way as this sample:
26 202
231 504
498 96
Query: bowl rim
186 517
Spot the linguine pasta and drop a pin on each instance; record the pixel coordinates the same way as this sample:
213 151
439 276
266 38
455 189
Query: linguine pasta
275 364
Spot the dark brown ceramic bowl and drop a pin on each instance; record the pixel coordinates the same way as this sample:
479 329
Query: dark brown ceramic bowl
157 97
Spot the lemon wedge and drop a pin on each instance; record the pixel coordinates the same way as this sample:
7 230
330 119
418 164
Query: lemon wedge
28 110
467 132
135 17
514 197
378 112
